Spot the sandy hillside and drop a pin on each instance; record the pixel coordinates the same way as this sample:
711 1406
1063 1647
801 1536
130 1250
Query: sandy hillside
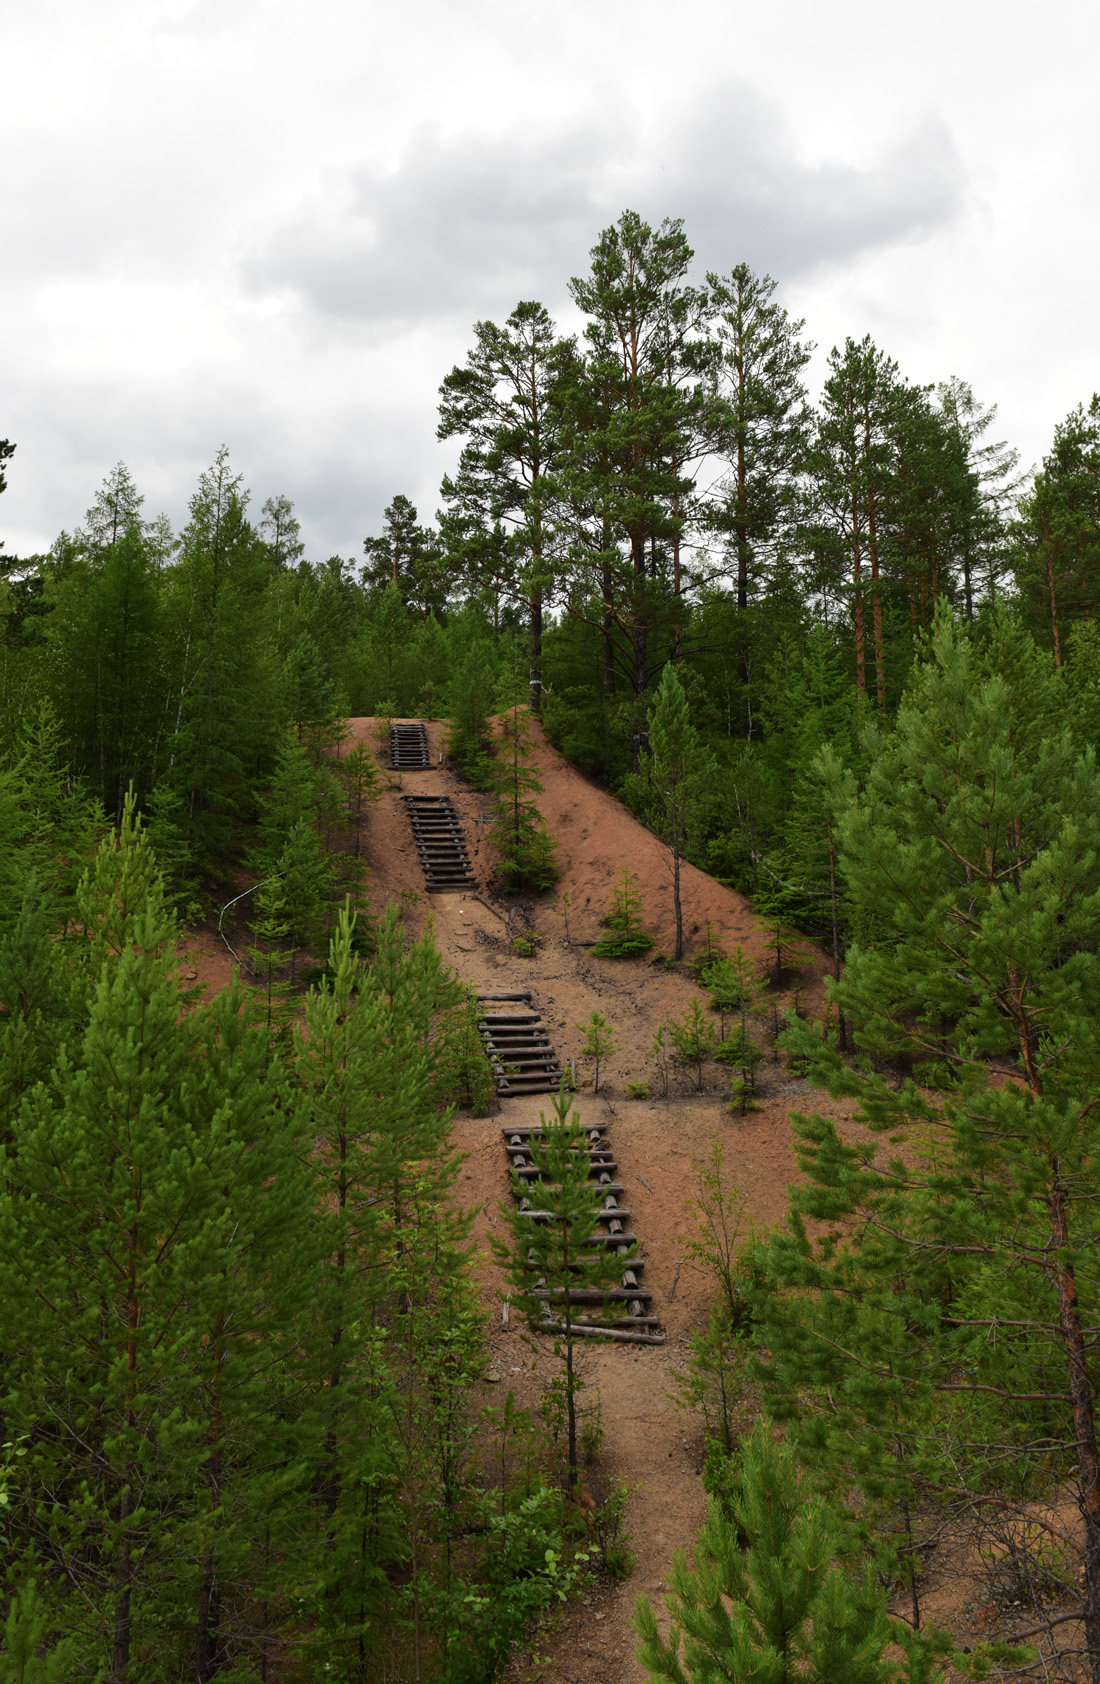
659 1143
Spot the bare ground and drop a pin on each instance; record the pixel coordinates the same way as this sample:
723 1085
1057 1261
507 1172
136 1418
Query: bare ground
659 1143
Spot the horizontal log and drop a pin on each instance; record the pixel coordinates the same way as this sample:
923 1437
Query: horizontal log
585 1331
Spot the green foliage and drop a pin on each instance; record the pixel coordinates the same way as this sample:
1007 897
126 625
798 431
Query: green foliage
22 1660
555 1248
359 773
723 1244
693 1041
470 699
599 1044
678 770
157 1244
526 852
970 868
777 1604
734 988
628 940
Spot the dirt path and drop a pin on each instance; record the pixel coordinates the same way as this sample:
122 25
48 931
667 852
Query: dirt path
659 1143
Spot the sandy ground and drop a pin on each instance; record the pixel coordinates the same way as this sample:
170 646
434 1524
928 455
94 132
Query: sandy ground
659 1143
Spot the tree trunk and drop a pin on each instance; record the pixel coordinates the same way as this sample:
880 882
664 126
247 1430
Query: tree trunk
876 603
608 617
120 1650
857 594
536 651
1053 605
676 894
1084 1421
206 1641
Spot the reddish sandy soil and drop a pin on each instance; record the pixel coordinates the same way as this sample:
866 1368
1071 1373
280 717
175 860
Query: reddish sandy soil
649 1441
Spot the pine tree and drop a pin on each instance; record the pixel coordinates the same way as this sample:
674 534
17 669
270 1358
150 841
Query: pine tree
765 440
156 1220
469 702
963 1267
1057 535
59 823
637 411
556 1251
599 1044
850 465
407 558
627 939
526 851
363 786
280 530
765 1598
678 770
36 1007
222 708
769 419
995 466
373 1058
505 403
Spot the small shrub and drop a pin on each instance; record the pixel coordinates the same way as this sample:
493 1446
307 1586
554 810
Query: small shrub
613 1554
659 1053
592 1432
711 952
599 1044
694 1041
637 1090
528 944
627 939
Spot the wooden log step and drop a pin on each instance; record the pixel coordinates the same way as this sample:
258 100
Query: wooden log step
586 1330
517 1134
594 1295
617 1213
409 746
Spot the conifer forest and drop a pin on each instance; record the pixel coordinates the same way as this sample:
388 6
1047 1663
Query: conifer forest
836 657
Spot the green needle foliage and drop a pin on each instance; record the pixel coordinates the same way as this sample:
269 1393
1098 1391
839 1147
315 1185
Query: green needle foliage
679 769
693 1041
526 851
599 1044
555 1246
765 1600
627 939
362 787
936 1335
156 1252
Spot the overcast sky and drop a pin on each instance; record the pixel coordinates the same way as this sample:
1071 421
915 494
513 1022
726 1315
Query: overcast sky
273 224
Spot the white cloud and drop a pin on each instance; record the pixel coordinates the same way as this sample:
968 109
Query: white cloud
274 225
470 224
